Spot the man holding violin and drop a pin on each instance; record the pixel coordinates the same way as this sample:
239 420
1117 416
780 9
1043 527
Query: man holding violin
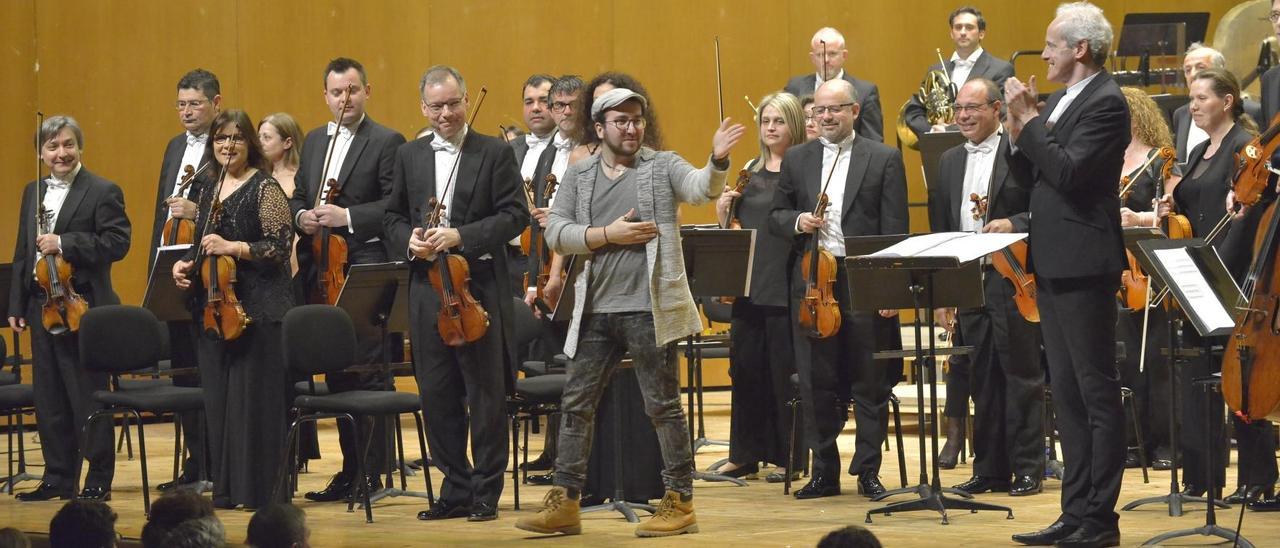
198 103
360 153
865 184
1008 383
87 228
469 184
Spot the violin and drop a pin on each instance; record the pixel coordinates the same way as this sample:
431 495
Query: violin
744 177
1134 282
461 318
526 235
62 306
540 253
223 316
182 231
329 249
819 311
1011 263
1252 161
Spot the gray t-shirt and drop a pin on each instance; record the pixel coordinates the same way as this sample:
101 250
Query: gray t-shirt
619 273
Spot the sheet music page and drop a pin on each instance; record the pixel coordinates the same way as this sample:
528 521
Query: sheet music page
964 246
1185 275
916 246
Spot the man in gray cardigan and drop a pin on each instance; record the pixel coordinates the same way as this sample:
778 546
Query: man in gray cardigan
618 210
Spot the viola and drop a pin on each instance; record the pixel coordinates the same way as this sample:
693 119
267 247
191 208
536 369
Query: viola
819 311
224 317
62 307
461 319
740 185
329 249
182 231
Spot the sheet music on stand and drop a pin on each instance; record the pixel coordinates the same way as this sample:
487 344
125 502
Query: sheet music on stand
1199 281
951 249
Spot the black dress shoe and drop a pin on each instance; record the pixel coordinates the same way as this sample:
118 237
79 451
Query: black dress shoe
338 489
483 511
1161 464
183 479
1085 538
541 479
1271 504
741 471
1195 490
44 492
543 462
1131 460
982 484
1046 536
374 485
101 494
819 486
1249 493
1025 485
441 510
870 486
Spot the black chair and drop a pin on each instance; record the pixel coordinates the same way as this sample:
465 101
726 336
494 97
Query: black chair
120 339
535 396
321 339
16 400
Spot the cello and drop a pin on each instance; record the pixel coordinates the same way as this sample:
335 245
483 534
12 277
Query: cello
461 318
329 249
182 231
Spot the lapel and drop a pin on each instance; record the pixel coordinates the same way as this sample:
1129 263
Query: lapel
79 187
315 168
358 143
172 159
1077 105
955 191
858 158
999 173
980 67
471 157
427 174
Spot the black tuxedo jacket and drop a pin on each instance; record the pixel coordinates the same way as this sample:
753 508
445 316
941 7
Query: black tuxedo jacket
987 66
545 161
1075 166
1270 96
1182 120
521 148
875 192
170 166
870 122
1006 198
95 233
365 179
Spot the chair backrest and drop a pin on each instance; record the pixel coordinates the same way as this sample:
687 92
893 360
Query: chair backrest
318 338
119 338
717 311
526 324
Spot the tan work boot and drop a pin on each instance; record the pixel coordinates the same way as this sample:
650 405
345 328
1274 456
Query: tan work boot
559 514
671 518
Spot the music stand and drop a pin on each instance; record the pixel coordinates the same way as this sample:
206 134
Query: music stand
717 263
619 500
932 145
1207 295
163 298
921 283
372 297
19 475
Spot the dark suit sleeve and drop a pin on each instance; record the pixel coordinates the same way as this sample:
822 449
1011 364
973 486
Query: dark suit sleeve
111 240
510 215
1072 166
366 218
396 224
301 199
940 194
893 197
916 114
794 87
871 116
1002 73
20 280
782 219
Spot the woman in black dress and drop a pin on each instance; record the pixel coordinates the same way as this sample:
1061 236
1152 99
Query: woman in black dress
760 355
1202 196
244 379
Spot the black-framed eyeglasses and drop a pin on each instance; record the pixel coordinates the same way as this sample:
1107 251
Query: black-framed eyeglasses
193 105
559 106
819 111
623 123
959 108
437 108
235 139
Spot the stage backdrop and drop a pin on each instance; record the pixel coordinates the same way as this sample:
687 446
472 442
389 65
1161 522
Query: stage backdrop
114 67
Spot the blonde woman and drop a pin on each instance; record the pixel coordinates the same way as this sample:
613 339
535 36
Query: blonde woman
281 140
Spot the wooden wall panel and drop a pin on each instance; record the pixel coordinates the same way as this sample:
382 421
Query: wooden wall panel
114 65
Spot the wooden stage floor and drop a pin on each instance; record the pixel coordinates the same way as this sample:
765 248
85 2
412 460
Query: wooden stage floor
757 515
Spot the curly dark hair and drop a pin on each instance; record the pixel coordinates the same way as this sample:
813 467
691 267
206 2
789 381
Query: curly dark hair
652 132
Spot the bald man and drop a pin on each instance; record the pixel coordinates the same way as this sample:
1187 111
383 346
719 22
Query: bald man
828 52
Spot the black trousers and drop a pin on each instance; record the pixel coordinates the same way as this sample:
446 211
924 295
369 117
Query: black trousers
959 381
1150 382
376 438
182 355
1078 319
760 364
838 369
63 393
1008 385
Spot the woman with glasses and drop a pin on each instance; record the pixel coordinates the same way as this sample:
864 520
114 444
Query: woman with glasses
244 379
761 355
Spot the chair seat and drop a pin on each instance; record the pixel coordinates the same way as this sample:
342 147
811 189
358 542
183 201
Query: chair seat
717 352
8 378
542 389
361 402
304 388
560 359
144 383
159 399
16 396
534 368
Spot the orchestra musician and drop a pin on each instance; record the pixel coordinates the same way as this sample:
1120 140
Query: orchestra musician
1007 379
476 180
242 378
761 357
90 231
1073 151
199 101
866 183
968 62
281 139
827 51
1188 135
361 160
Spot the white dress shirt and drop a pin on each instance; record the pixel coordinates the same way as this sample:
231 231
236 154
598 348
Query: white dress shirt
446 151
978 168
191 156
564 146
831 235
961 68
1067 98
817 79
55 194
536 146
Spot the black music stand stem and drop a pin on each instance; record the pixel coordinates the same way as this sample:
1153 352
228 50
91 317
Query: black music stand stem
718 264
1207 277
374 297
619 501
922 276
20 474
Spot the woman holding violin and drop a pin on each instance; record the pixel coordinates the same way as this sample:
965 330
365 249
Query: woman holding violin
1201 195
244 228
761 359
